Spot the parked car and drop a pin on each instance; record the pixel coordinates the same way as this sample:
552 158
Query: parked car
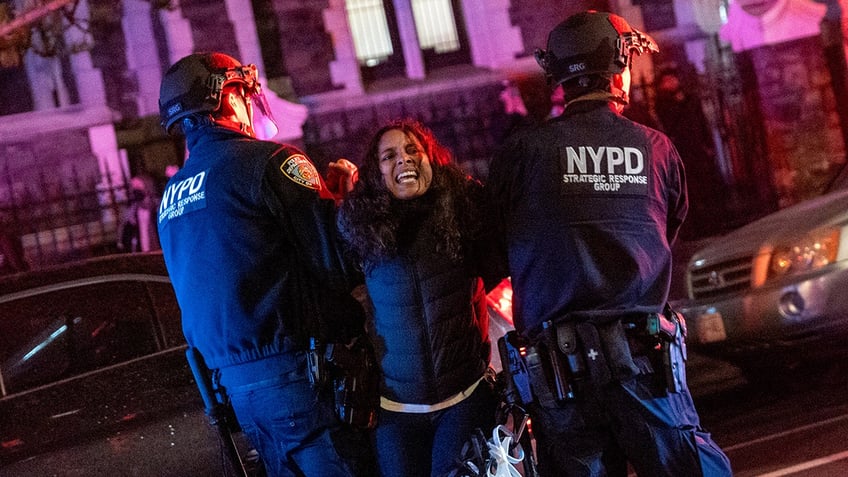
94 379
93 374
774 293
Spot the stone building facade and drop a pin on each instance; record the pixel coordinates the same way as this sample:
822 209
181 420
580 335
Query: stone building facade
84 118
798 86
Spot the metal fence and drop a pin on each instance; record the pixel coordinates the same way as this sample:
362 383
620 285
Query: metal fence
58 219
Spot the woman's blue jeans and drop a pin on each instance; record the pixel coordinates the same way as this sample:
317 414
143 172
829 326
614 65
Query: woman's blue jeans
430 444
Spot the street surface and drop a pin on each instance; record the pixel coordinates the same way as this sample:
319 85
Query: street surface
798 427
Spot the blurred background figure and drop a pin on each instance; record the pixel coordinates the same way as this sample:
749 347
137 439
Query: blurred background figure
515 112
681 117
637 109
557 102
137 231
12 258
171 169
511 98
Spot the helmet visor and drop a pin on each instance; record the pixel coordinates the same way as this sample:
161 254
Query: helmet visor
264 125
263 122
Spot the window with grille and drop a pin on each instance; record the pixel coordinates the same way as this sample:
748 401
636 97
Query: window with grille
377 40
435 25
370 30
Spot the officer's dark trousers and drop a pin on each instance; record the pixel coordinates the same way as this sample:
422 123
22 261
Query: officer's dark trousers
633 420
289 422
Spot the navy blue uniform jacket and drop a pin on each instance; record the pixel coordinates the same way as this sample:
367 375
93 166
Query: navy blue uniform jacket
251 249
587 205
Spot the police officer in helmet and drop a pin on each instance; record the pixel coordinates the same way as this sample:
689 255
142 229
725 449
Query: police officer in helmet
247 231
588 205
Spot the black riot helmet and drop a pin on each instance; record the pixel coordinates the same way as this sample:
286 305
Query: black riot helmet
591 43
191 91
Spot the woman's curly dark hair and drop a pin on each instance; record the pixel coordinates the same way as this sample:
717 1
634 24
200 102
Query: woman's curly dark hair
370 218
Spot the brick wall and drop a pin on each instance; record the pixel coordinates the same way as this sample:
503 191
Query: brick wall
108 54
306 46
211 28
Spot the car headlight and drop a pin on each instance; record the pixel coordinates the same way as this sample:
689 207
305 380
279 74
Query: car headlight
816 250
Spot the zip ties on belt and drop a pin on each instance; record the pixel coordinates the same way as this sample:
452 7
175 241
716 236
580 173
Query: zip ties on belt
500 461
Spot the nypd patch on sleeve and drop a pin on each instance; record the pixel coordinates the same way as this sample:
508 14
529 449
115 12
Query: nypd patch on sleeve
301 171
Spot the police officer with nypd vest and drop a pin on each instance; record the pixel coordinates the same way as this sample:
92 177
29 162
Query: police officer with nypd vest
247 231
588 205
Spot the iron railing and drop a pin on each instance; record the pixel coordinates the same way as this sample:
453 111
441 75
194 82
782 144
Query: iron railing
59 219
